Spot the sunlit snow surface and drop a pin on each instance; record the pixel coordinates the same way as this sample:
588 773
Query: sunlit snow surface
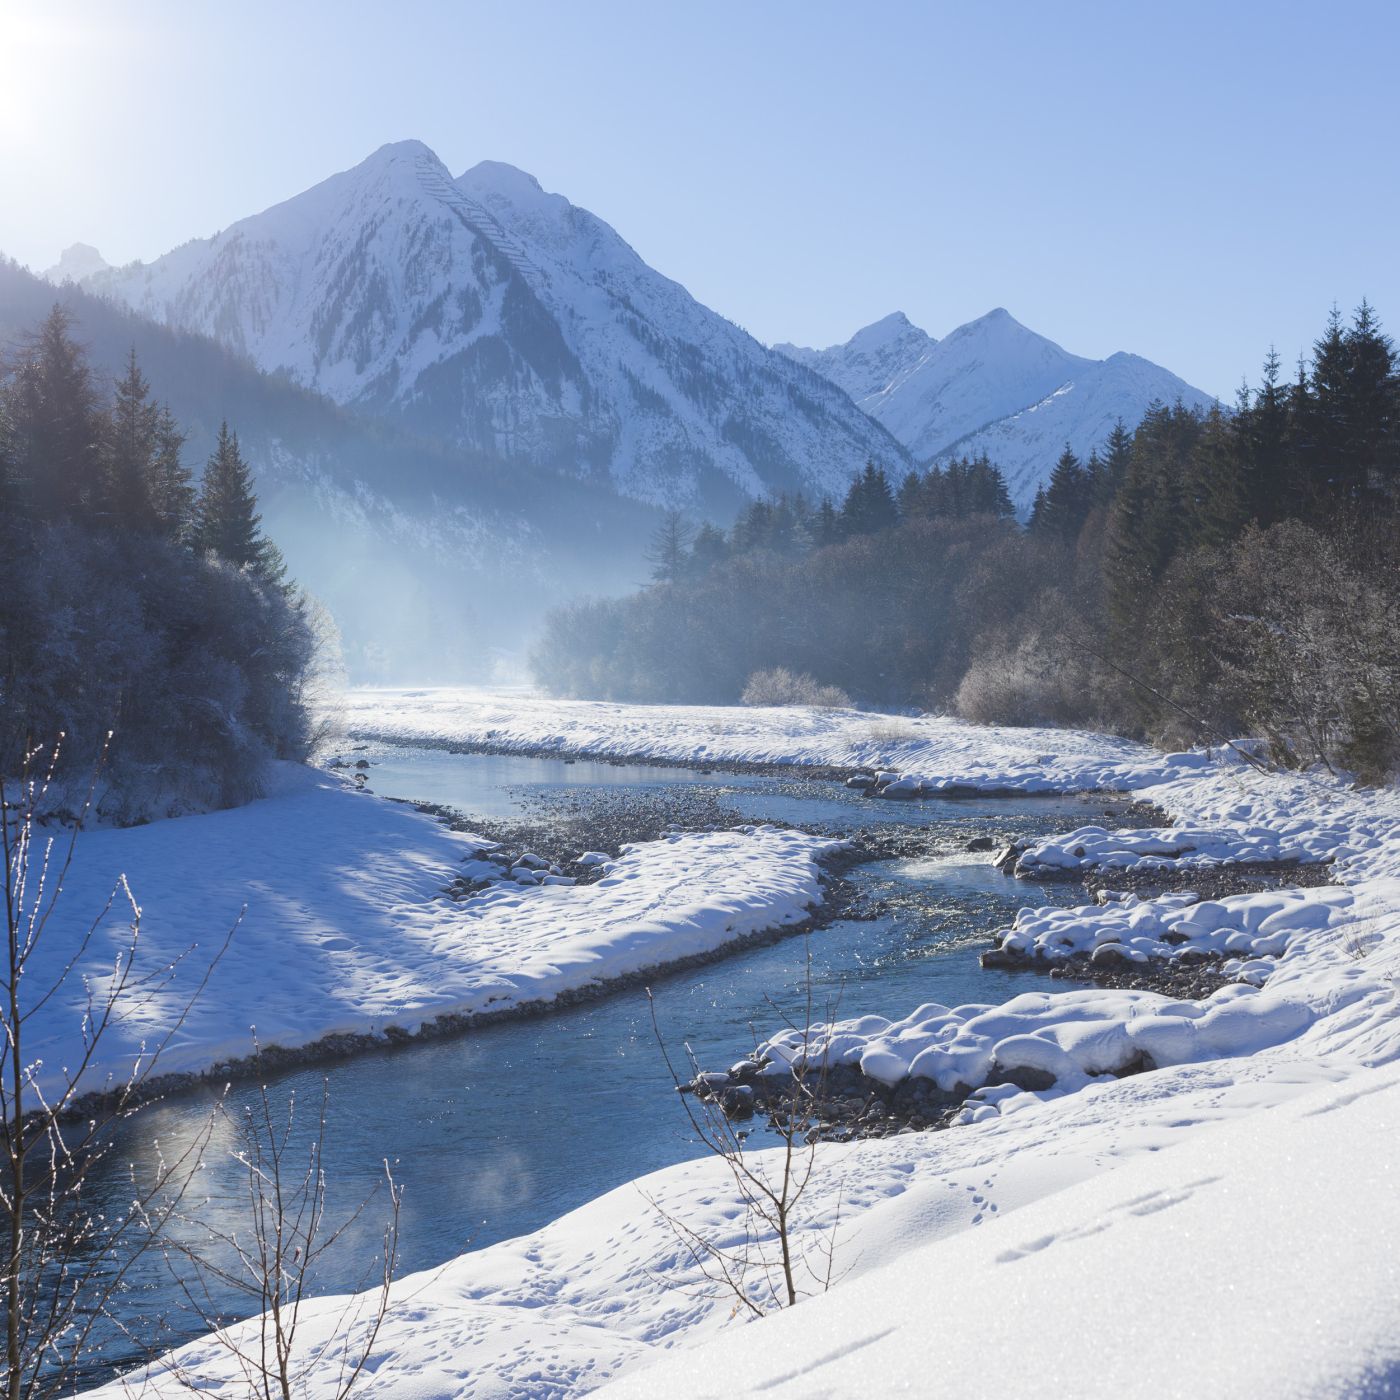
1219 1226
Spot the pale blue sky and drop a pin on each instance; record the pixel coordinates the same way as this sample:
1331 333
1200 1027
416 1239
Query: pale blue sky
1189 181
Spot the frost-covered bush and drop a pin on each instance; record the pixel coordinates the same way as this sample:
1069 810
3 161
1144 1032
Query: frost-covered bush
779 686
1039 672
1309 644
196 667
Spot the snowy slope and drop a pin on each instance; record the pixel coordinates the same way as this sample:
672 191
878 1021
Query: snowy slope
488 312
992 385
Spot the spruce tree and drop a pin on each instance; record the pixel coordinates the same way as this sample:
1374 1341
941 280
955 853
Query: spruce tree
129 451
172 492
1220 497
1117 453
228 519
987 493
870 505
827 527
669 549
1066 500
1327 469
1368 405
910 502
56 423
710 548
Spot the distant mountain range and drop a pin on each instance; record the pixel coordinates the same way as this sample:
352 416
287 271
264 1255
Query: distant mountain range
992 386
491 314
466 397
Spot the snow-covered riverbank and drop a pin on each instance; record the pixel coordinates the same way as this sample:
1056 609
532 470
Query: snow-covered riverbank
1219 1225
347 928
938 752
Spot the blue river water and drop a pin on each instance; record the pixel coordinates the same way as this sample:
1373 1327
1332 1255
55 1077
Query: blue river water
495 1132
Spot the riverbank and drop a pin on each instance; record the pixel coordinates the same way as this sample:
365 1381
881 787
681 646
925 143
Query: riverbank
348 935
937 753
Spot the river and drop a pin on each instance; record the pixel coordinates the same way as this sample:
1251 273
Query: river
495 1132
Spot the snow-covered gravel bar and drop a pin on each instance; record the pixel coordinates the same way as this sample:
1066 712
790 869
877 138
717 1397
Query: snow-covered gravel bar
1222 1224
348 928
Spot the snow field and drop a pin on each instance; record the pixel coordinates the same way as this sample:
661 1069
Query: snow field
922 754
1234 1264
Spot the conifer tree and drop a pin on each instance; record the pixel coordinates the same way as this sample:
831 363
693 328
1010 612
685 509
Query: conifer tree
1036 524
1221 501
129 453
910 502
669 549
1368 408
986 489
869 506
172 492
1117 453
710 548
228 519
56 423
1325 406
1066 500
10 494
827 527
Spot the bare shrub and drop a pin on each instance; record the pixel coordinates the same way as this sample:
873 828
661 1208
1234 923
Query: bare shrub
1307 635
783 1253
1026 680
780 686
269 1262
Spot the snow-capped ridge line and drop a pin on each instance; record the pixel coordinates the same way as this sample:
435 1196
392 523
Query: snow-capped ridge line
974 391
488 312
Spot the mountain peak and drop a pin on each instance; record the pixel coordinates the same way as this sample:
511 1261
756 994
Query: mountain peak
76 262
498 174
408 149
886 331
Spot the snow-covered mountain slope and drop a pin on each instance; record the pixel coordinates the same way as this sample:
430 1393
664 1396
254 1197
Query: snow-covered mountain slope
505 319
433 559
992 385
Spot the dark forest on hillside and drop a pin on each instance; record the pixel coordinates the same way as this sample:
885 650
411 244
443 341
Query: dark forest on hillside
1204 574
134 601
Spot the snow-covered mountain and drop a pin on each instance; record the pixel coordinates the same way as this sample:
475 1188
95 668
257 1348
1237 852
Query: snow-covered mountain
992 385
487 312
80 261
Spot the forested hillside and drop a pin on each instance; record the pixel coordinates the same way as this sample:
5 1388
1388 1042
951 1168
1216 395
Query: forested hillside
412 544
136 604
1210 573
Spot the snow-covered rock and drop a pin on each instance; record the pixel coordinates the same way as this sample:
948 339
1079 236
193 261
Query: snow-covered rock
1177 848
